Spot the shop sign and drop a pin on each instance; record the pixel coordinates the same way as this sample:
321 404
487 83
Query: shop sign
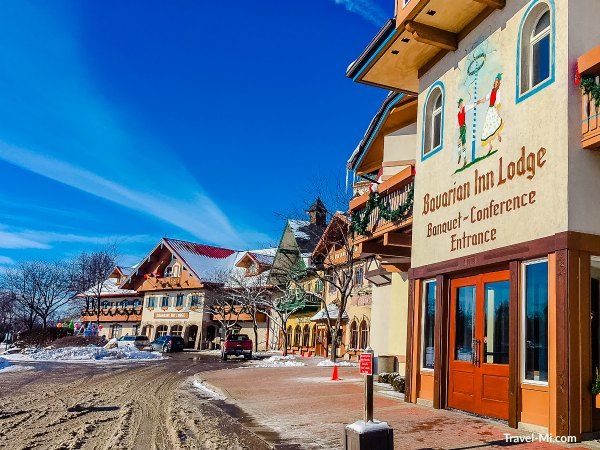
171 315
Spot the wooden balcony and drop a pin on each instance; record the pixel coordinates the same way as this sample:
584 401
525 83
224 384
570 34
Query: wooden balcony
590 122
395 192
127 314
589 66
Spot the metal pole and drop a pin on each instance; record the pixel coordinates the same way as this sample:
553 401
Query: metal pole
369 390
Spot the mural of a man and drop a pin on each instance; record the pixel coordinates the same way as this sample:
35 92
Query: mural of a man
493 122
462 130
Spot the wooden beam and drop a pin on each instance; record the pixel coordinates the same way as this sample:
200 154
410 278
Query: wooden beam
374 248
397 239
497 4
433 36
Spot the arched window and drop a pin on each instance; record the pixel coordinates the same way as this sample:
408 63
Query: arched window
161 330
306 336
353 335
297 336
536 49
105 304
176 270
364 335
176 330
433 121
289 336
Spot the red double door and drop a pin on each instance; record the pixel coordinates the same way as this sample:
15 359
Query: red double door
479 341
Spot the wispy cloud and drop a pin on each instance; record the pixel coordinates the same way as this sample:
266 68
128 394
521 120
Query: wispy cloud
6 261
11 238
59 124
367 9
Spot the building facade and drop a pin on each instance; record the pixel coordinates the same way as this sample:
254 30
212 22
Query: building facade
504 294
120 309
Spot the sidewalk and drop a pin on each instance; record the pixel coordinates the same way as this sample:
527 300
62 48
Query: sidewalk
306 409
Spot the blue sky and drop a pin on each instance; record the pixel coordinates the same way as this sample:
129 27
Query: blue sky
125 121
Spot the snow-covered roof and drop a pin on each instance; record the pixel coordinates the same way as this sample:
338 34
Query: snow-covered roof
307 235
109 288
332 310
126 271
207 262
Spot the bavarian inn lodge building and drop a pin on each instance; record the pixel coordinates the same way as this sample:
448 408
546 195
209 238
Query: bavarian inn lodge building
504 279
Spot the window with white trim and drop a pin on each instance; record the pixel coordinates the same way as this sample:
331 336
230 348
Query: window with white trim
536 48
427 348
433 121
535 321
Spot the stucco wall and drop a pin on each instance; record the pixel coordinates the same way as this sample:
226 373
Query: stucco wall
389 318
584 165
539 121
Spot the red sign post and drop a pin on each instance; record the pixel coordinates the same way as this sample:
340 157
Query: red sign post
365 364
365 367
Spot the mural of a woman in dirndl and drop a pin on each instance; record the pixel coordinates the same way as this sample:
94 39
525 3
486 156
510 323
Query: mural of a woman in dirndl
492 128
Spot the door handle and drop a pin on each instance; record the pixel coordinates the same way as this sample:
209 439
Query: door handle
475 345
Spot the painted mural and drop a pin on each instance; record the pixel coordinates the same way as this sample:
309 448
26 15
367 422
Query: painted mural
480 121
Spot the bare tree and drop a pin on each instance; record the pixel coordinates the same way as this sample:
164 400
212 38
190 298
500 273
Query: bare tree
250 292
20 283
333 262
90 272
225 308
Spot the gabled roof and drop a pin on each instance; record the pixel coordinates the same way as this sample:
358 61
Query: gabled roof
126 271
307 234
205 261
331 236
109 288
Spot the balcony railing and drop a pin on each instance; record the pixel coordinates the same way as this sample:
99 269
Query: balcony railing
395 194
590 121
113 314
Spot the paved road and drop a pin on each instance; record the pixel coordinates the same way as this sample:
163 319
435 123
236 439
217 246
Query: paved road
149 405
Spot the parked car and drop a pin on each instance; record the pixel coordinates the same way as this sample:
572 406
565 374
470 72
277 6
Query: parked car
140 342
168 344
238 345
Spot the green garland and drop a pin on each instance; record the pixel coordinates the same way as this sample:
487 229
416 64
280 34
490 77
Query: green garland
359 220
590 86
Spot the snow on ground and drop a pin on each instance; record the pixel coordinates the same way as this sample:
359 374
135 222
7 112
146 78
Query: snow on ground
278 361
6 366
85 354
340 363
209 391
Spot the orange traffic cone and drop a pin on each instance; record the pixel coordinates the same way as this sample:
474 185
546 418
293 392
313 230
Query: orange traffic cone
334 374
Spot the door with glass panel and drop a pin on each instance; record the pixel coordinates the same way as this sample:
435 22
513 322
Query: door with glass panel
478 359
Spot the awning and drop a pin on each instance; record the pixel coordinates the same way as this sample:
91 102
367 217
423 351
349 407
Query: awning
332 310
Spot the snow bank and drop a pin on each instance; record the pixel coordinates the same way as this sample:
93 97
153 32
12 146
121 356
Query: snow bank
6 366
89 354
328 363
278 361
360 426
201 385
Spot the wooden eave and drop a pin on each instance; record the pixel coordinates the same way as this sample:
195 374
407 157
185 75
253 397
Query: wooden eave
589 63
400 116
425 31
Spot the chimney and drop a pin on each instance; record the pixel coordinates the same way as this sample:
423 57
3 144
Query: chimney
318 213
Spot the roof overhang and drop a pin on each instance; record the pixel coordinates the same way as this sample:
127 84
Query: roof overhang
397 111
422 33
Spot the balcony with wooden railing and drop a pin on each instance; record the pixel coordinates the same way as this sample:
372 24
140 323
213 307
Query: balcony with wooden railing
394 194
589 68
114 314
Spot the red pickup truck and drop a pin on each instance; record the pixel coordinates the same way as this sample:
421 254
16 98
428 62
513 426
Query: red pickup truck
238 345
